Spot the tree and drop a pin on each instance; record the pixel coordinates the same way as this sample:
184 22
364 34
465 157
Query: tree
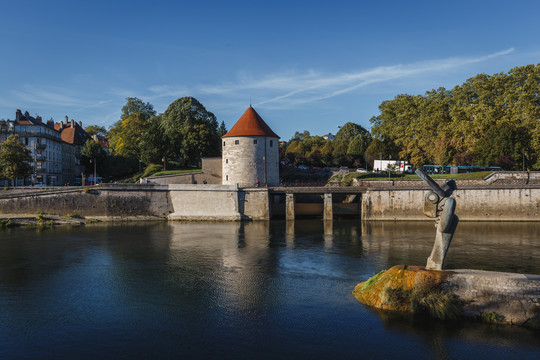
154 145
117 132
132 131
15 158
192 130
222 129
136 105
96 130
348 132
92 151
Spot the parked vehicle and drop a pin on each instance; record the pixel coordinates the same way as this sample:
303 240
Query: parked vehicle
392 165
303 167
361 170
316 168
343 168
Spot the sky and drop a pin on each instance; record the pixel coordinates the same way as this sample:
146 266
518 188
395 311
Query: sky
303 65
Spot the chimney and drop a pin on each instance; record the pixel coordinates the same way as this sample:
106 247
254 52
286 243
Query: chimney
72 123
80 123
18 114
38 118
66 120
50 123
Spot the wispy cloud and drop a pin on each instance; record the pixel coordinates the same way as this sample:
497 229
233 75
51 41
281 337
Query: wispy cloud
291 89
48 95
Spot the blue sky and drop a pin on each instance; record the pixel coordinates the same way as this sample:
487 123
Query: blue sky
303 65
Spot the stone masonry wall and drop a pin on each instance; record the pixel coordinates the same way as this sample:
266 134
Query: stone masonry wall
244 163
113 201
514 297
488 204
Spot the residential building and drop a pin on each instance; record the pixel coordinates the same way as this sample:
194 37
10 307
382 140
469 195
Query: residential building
55 148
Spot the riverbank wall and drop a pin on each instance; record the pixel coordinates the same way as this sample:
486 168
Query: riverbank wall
228 202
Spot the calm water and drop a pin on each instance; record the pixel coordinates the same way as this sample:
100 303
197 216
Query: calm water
241 291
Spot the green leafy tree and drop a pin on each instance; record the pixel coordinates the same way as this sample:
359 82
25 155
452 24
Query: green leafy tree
133 129
117 133
96 130
192 130
93 155
135 105
15 158
222 130
154 145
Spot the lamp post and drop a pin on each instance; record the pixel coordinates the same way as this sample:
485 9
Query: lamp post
94 161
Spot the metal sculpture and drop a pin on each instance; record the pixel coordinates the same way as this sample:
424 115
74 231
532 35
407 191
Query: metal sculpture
438 204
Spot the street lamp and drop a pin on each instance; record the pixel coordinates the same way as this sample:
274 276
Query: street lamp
94 169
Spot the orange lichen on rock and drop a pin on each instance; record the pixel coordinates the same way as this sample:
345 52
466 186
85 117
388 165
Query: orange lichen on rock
400 279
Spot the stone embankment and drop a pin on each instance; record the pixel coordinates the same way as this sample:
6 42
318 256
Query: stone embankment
482 295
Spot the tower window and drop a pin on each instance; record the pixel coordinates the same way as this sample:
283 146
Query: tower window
224 143
236 142
271 143
255 141
227 177
226 161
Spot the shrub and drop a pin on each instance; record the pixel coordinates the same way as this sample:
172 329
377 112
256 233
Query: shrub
40 216
6 223
491 317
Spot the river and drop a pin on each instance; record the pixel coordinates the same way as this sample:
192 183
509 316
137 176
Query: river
260 290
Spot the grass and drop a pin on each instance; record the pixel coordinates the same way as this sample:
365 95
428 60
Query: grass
347 179
73 216
174 172
491 317
425 299
367 284
92 221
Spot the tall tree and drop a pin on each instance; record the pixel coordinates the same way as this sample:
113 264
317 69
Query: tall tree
15 158
136 105
192 130
117 132
96 130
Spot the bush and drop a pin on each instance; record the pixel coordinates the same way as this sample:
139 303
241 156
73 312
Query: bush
6 223
40 217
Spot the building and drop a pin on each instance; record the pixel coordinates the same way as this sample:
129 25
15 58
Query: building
328 136
74 137
250 153
55 148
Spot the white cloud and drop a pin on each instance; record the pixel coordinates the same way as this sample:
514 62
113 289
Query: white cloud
290 89
48 95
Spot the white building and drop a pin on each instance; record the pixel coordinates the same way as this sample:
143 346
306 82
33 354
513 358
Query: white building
250 153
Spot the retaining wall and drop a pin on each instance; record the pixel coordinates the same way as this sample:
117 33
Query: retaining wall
488 204
114 201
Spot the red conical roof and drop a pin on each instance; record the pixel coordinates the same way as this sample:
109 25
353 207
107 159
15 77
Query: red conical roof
251 124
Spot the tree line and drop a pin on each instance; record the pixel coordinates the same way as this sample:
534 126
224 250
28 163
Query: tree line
185 133
488 120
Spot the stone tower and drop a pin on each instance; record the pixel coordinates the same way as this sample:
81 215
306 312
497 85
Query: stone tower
250 153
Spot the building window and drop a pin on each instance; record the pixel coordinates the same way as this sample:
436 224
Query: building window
271 143
226 161
25 141
224 143
236 142
255 142
227 177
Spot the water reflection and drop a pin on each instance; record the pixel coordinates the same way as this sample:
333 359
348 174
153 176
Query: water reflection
242 290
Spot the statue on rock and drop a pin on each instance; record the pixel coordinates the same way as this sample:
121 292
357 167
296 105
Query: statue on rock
438 204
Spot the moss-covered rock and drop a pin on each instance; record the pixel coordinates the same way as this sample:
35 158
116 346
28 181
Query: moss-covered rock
410 289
